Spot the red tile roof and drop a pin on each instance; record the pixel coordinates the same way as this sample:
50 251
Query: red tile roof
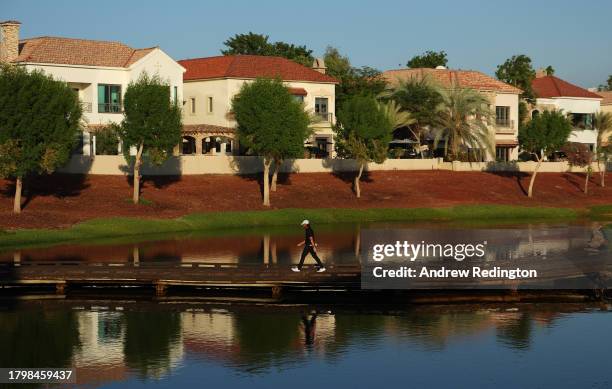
446 77
250 66
207 128
69 51
298 91
551 86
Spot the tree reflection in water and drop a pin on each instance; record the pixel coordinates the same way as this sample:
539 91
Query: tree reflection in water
253 340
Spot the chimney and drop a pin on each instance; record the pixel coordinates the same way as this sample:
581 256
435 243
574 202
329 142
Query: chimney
541 72
9 43
319 65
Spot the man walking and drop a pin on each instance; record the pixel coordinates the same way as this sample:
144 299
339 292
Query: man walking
309 248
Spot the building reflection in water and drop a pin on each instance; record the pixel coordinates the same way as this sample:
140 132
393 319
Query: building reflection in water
340 245
115 345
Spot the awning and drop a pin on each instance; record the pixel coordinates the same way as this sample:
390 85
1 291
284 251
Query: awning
298 91
506 143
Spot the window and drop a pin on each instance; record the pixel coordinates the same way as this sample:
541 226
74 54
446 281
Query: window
321 107
298 98
582 120
502 154
192 105
109 98
502 116
209 104
176 95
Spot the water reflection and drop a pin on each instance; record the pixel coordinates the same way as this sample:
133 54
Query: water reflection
338 244
135 343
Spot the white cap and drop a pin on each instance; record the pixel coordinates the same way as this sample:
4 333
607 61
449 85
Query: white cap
305 221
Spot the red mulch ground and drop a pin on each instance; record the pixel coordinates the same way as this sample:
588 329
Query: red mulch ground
62 200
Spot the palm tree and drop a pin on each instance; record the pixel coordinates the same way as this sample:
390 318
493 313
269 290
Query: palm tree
420 97
463 118
603 124
398 117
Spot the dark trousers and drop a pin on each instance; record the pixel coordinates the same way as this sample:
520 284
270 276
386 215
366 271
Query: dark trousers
309 250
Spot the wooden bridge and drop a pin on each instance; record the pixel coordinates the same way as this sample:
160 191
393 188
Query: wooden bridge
164 275
63 276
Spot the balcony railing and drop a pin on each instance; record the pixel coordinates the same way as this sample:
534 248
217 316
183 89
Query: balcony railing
507 123
109 108
86 106
325 116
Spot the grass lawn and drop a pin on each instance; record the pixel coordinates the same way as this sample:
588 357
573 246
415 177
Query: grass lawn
121 227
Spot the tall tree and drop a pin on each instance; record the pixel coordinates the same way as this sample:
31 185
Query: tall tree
518 71
603 124
429 59
152 124
259 44
353 81
463 119
544 134
271 124
607 86
549 70
421 98
363 131
40 119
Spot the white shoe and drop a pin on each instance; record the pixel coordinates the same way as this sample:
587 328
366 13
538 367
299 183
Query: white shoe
321 269
295 269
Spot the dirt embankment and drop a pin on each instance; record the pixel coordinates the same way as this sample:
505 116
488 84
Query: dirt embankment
62 200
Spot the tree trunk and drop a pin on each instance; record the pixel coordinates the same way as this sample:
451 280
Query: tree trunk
266 182
277 164
137 163
533 176
602 173
17 199
356 183
586 182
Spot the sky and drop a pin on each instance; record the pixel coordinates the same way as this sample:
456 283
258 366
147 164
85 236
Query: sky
575 37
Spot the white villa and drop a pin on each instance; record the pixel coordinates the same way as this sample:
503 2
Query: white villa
98 71
503 97
579 103
211 83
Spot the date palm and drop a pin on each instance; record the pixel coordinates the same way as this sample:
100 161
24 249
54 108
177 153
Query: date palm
463 117
420 97
603 124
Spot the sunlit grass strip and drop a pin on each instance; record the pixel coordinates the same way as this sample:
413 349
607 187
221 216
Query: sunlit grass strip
120 227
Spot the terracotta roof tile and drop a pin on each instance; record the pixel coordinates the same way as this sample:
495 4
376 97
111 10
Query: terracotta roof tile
69 51
607 97
464 78
551 86
250 66
207 128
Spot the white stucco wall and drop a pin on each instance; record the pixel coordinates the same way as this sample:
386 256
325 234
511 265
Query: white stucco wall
87 78
574 105
200 164
223 90
508 135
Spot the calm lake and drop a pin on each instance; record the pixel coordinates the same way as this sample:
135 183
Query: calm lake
136 341
133 345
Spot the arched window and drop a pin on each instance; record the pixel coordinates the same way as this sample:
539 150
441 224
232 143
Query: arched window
188 145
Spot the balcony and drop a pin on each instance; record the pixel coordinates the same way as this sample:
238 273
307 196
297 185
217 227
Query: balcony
110 108
325 116
504 126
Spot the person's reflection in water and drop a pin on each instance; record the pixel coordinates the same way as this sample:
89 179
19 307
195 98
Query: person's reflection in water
310 326
598 240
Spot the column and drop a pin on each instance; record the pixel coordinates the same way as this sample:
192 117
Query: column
198 143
